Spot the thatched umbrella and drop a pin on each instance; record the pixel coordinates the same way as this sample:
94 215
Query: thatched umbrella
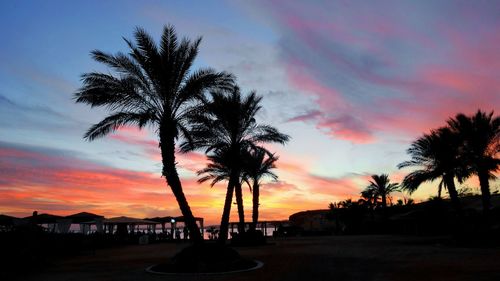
83 217
43 218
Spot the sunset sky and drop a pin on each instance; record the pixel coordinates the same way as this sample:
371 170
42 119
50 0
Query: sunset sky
352 84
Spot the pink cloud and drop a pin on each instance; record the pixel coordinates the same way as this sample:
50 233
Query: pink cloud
192 161
389 72
72 185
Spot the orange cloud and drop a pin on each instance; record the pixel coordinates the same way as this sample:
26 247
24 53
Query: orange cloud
53 181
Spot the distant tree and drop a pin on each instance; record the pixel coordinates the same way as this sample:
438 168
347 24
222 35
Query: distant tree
465 191
346 204
480 137
368 198
436 155
333 205
380 187
347 215
226 125
405 202
258 164
409 201
152 86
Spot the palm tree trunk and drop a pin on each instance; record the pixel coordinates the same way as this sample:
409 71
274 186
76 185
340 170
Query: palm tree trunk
255 201
241 211
224 223
167 146
485 190
452 190
384 201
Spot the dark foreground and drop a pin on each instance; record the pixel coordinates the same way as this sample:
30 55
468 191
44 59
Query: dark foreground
303 258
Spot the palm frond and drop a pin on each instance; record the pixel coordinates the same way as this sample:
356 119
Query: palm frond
117 120
413 180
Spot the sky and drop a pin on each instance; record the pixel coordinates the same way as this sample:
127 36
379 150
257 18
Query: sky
353 83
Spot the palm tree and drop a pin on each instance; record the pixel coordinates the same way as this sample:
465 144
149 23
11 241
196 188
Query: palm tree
226 126
256 167
153 86
480 136
380 186
437 155
368 198
219 169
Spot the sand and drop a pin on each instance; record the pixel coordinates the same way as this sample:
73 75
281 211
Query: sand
301 258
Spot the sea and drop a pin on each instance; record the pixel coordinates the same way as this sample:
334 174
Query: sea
75 228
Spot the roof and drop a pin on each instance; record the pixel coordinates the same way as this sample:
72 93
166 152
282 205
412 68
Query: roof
308 213
128 220
83 217
161 219
169 219
7 220
43 218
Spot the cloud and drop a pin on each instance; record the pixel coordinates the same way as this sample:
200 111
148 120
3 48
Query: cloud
346 127
191 161
39 109
64 182
308 116
36 178
374 70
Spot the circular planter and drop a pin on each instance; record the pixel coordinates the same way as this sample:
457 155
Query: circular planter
258 265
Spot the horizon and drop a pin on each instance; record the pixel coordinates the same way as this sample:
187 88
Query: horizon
360 84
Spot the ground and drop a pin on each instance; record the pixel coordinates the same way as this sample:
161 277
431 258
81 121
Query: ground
302 258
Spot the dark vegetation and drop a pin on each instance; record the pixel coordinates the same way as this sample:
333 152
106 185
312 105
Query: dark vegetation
467 146
433 217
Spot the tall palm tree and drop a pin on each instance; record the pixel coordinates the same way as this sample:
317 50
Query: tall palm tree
480 136
152 86
226 125
380 186
437 154
257 165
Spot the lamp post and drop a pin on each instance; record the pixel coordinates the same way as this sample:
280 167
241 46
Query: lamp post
172 226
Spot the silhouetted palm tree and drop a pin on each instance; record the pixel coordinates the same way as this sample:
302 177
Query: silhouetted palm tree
380 186
257 165
226 126
219 169
368 198
480 136
437 154
152 86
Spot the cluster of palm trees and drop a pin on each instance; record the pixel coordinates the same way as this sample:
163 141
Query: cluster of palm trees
225 127
466 146
189 110
377 192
